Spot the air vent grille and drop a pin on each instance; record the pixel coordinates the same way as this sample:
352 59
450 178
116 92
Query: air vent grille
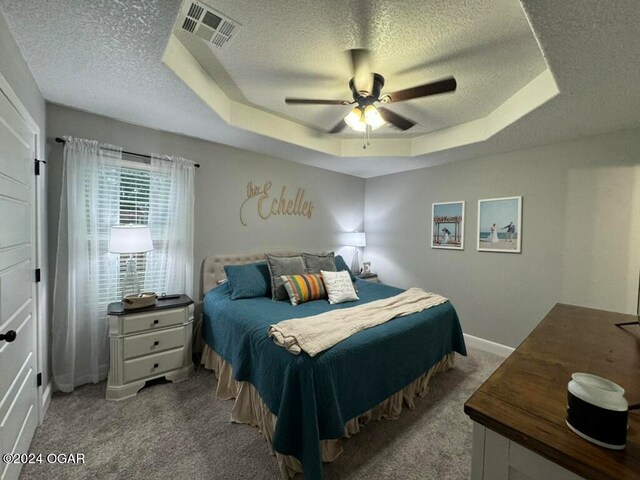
219 40
211 20
227 29
189 25
212 26
195 11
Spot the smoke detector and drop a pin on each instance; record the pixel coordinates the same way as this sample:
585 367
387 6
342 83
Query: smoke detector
209 24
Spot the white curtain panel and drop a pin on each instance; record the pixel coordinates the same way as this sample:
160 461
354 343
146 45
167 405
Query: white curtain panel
170 264
80 349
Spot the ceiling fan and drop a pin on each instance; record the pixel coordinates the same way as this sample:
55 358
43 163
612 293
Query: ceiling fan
366 88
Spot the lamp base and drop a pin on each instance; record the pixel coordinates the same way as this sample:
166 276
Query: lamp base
355 262
131 282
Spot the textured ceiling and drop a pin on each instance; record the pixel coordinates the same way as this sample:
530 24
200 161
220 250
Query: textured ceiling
297 49
105 56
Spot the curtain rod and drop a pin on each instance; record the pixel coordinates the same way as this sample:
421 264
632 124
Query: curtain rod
62 140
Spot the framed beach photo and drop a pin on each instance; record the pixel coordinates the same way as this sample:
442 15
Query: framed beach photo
500 225
447 225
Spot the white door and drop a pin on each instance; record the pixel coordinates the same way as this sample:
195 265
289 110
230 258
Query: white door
18 390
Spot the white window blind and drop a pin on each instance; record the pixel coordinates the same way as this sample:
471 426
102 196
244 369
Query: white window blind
125 195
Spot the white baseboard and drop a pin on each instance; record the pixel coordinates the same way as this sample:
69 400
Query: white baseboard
488 346
46 400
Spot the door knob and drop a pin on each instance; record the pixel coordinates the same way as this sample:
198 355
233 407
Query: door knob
10 336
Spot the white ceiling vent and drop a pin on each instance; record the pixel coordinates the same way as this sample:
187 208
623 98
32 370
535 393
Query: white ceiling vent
212 26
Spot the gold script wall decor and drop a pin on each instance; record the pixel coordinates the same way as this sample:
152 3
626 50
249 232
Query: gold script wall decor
268 206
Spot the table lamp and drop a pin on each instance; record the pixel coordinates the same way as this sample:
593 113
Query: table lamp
130 239
356 239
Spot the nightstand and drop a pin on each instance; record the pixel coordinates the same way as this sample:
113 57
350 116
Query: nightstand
369 277
148 343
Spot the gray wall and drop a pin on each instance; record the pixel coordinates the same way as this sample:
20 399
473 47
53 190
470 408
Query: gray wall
580 233
221 187
16 72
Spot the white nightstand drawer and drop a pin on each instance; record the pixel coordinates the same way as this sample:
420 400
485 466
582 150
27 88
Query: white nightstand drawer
154 342
152 320
153 364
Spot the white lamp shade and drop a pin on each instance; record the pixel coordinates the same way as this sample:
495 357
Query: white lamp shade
354 118
130 239
373 118
356 239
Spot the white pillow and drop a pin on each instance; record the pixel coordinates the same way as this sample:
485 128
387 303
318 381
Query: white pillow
339 287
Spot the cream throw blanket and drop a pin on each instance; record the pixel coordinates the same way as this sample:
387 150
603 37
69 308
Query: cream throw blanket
320 332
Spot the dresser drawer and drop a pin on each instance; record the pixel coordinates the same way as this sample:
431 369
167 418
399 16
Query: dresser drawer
152 320
153 364
153 342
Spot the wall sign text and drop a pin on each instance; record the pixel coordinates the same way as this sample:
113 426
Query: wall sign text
268 205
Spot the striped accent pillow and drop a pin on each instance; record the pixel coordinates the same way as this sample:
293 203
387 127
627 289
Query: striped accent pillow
303 288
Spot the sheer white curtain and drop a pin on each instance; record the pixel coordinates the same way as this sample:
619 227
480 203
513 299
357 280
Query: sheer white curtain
80 349
170 264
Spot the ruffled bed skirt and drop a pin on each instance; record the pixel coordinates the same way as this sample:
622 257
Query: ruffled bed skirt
250 409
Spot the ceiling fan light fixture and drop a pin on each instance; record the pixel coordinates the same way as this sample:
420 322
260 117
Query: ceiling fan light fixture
373 118
358 118
366 88
355 119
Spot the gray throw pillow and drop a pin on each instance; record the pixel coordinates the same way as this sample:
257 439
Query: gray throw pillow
317 262
283 265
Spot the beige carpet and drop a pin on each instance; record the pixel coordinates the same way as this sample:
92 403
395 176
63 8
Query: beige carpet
180 431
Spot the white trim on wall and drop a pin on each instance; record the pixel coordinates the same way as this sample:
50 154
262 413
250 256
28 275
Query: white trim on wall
488 346
47 393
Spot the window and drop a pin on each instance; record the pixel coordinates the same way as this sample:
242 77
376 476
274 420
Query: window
130 195
99 190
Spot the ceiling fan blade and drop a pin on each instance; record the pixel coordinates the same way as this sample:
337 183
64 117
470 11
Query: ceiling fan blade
339 127
433 88
394 119
361 69
313 101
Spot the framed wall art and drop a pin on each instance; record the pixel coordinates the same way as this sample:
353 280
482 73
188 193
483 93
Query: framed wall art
500 225
447 225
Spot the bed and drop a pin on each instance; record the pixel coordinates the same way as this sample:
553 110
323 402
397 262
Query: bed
303 405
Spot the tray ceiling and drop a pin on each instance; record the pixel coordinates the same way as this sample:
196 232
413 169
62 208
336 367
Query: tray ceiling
300 50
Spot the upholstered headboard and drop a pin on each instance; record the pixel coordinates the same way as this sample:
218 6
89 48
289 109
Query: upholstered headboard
213 267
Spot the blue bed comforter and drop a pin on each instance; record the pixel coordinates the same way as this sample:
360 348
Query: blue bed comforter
314 398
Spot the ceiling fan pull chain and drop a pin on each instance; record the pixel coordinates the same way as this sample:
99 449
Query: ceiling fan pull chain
365 137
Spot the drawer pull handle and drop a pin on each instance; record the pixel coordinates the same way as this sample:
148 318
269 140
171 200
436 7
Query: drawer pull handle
155 322
156 343
156 365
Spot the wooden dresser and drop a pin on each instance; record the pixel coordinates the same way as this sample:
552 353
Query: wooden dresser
523 404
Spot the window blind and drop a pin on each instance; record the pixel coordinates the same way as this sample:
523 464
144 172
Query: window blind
125 195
